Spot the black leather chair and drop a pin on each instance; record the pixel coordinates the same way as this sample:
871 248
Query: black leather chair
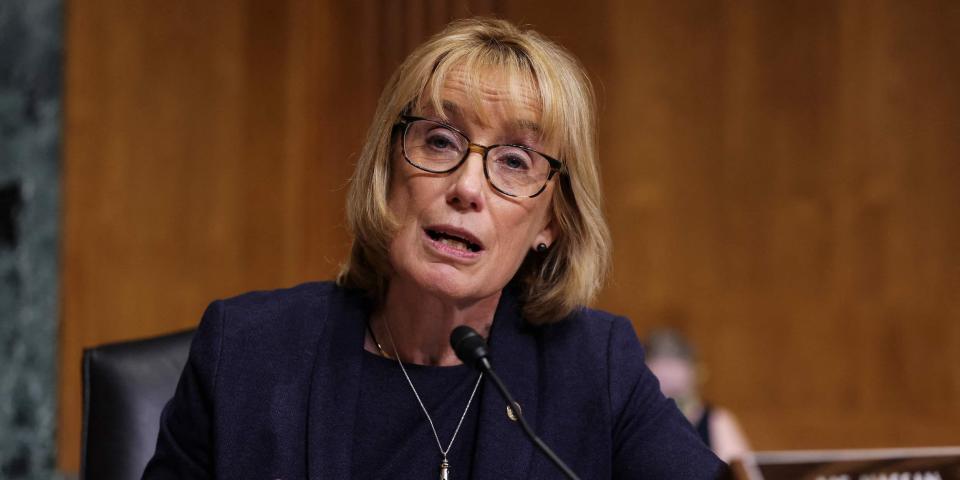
125 386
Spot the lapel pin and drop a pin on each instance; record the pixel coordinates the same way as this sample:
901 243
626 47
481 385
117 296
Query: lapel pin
513 416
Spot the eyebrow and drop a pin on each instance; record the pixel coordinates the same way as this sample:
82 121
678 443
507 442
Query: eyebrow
452 108
530 125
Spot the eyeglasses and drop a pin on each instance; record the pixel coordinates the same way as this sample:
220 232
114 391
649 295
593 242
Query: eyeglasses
513 170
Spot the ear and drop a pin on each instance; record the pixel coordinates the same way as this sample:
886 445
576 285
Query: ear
546 236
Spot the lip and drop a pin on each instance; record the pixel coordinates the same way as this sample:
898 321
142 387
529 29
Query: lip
447 249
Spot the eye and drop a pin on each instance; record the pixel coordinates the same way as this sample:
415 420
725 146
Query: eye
513 159
442 140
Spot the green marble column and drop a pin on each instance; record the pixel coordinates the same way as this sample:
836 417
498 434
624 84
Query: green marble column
31 59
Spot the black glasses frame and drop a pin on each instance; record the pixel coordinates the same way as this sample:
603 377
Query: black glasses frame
407 120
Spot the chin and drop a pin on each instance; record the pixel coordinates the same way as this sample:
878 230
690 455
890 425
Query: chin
450 285
446 282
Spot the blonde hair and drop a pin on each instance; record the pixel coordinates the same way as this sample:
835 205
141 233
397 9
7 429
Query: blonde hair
555 284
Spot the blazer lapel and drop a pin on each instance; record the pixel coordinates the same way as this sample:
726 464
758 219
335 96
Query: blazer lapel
502 449
335 387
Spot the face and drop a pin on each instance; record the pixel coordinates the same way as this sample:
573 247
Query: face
460 239
677 377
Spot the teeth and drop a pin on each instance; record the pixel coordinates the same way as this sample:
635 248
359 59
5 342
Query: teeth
453 243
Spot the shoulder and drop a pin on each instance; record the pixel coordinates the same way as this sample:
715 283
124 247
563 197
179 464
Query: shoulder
725 422
283 307
271 335
594 332
305 295
601 349
726 435
274 320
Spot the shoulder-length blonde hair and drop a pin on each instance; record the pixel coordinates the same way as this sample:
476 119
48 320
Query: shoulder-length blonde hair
555 284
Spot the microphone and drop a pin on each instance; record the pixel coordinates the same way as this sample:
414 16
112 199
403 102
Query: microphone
471 349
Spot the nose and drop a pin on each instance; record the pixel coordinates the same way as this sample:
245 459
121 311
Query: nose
466 193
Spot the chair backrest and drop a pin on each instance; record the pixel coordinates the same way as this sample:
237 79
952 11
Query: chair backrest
125 387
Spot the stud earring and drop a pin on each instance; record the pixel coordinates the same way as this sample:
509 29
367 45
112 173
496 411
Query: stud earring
542 248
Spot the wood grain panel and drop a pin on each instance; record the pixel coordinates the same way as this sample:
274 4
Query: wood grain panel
782 182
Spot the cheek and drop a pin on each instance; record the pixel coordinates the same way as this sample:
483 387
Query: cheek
515 227
406 197
520 224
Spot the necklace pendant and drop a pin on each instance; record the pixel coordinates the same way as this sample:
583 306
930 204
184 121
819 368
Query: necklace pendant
444 470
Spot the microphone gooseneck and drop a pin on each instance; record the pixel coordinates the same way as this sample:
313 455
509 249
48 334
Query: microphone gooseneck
471 349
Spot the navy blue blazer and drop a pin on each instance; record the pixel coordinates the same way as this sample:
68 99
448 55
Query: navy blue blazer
271 386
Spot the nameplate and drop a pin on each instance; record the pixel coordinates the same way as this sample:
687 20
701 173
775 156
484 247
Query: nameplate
940 463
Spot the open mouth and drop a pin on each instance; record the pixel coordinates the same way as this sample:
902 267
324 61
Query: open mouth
453 240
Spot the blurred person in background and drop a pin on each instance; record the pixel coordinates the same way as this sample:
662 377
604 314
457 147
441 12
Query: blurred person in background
673 360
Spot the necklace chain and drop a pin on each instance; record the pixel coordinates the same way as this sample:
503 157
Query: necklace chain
377 342
416 394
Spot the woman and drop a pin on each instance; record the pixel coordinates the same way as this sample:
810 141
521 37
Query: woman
673 360
476 201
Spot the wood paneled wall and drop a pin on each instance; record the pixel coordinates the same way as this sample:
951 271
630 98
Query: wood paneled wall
783 182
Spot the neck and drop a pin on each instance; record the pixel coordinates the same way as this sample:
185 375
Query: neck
420 324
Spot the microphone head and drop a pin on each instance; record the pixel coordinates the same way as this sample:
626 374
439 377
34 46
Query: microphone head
469 346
